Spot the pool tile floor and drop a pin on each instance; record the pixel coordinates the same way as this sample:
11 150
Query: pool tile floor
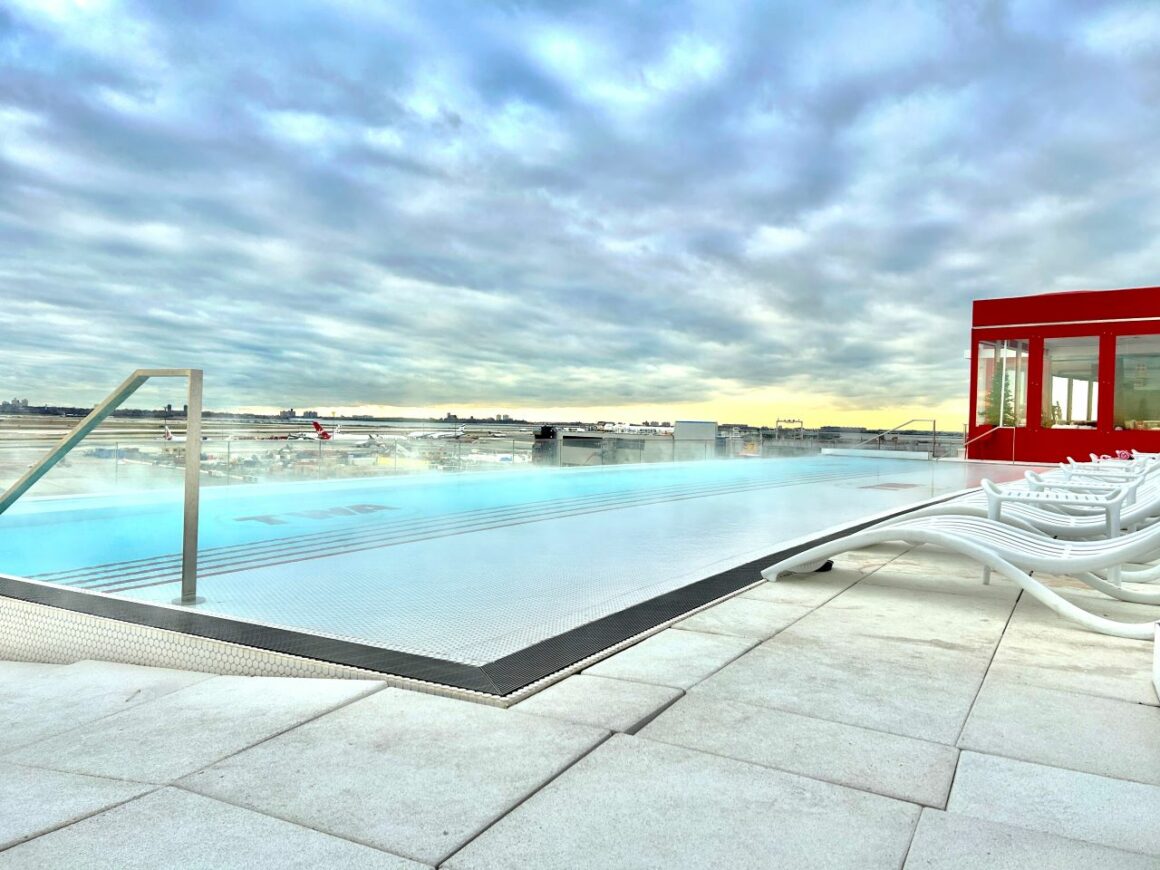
907 716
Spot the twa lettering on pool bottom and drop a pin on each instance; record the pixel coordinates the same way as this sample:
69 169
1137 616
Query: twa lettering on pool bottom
322 514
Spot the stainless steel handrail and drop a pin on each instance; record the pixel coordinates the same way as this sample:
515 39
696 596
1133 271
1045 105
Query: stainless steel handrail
192 463
983 435
992 431
933 433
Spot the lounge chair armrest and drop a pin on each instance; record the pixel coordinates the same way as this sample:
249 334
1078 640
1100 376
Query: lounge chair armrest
1110 501
1063 495
1038 482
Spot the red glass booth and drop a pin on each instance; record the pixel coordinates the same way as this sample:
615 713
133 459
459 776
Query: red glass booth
1065 374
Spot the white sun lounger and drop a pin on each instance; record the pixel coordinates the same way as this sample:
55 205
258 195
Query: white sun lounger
1056 512
1014 553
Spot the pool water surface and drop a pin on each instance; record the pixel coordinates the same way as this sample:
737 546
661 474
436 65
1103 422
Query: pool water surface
463 568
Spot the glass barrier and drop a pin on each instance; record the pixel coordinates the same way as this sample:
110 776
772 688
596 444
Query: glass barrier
1138 382
1001 383
119 457
1071 382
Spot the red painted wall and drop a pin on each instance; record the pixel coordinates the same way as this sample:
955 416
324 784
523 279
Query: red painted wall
1103 313
1069 307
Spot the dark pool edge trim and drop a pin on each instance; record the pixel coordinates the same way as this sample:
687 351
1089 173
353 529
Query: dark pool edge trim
255 635
513 672
499 678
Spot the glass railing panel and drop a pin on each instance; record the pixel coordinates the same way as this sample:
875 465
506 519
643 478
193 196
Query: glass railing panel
117 495
118 455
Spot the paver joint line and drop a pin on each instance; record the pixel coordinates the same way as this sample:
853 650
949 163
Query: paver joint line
301 823
88 723
30 766
371 691
445 858
990 661
641 724
66 824
721 755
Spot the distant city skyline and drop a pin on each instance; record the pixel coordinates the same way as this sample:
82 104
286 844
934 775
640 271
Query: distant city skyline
612 211
22 405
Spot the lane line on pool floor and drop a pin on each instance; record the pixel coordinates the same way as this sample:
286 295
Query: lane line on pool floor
171 573
165 569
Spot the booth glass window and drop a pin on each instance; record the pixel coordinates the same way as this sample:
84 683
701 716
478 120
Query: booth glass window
1001 397
1138 381
1071 382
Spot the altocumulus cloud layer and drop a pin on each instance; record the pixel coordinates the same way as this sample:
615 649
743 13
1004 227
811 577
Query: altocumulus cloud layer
530 203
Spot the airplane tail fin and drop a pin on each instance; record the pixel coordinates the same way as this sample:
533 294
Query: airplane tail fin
168 435
323 435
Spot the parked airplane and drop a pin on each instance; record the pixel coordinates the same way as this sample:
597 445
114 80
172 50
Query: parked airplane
627 428
177 439
514 458
439 433
321 433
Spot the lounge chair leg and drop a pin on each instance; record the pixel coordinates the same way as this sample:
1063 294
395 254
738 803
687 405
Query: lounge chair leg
819 566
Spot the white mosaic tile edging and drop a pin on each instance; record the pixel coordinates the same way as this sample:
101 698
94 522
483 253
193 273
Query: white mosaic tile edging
32 632
54 635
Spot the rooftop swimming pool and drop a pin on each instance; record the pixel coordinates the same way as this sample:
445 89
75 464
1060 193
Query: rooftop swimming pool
486 582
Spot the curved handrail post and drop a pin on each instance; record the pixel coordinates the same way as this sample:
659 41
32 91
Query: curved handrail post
192 462
192 507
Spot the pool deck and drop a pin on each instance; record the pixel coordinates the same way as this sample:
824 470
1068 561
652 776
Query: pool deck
891 713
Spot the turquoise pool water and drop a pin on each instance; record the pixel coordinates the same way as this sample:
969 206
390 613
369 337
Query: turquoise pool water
461 566
46 536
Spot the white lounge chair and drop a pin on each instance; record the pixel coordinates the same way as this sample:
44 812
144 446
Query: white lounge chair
1059 513
1014 553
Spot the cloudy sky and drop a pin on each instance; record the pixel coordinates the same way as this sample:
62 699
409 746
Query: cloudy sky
617 210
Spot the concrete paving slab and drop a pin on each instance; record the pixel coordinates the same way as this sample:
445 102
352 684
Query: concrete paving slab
35 801
744 617
929 570
943 562
416 775
1104 736
1089 599
1037 667
673 658
22 670
173 828
190 728
945 841
1040 648
890 645
1076 590
885 764
1096 809
615 705
638 804
40 705
933 620
857 681
878 554
807 590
